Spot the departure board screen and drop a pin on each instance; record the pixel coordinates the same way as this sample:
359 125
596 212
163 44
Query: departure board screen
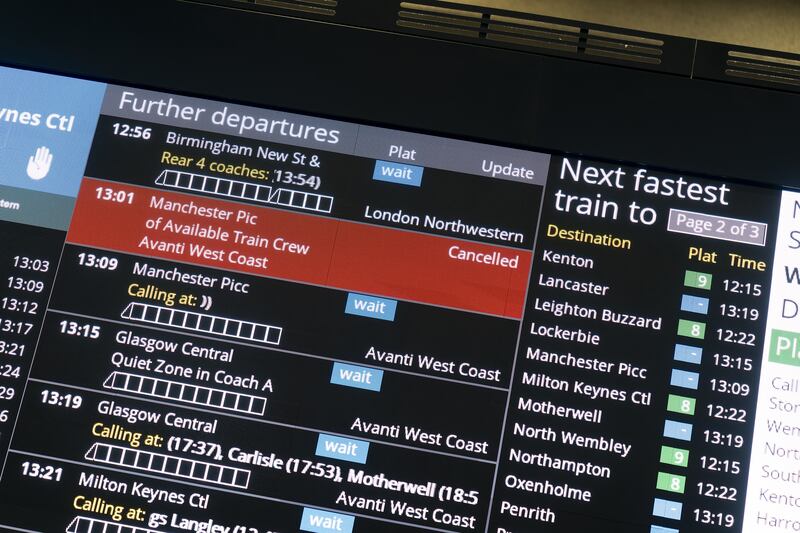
228 319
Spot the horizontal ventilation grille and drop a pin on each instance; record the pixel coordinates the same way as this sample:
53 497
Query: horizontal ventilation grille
529 32
316 7
514 30
763 68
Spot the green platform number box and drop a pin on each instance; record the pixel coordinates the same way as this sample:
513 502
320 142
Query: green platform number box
697 280
692 328
784 347
674 456
671 482
681 404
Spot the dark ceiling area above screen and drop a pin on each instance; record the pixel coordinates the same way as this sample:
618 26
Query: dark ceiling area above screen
707 116
514 30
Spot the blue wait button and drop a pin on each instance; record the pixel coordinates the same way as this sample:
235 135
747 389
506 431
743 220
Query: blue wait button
334 447
359 377
398 173
370 306
318 521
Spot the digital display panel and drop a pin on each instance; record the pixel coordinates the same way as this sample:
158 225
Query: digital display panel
220 318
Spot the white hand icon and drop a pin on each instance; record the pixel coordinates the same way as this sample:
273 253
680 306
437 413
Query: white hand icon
39 165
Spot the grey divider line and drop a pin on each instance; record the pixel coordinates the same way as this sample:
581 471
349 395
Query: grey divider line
19 529
522 331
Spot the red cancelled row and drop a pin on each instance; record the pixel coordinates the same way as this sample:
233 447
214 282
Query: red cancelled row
298 247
